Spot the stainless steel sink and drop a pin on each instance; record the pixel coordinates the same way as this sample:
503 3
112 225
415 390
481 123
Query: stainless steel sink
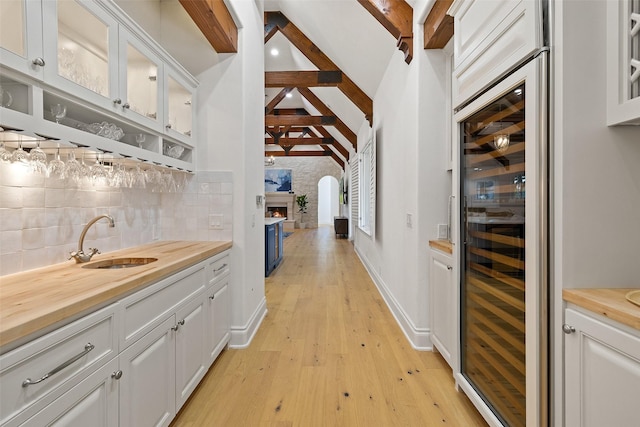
120 263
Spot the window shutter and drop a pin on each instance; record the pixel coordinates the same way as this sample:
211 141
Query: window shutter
355 185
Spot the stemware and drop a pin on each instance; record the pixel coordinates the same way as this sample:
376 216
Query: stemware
19 155
140 137
119 178
38 160
168 182
154 177
57 166
74 168
5 155
138 179
6 99
58 111
97 172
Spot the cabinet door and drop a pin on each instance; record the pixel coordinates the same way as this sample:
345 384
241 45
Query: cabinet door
141 80
270 248
190 348
81 50
217 320
21 36
443 305
602 373
147 386
93 402
178 115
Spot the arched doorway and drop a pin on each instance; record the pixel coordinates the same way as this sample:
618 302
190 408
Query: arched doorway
328 201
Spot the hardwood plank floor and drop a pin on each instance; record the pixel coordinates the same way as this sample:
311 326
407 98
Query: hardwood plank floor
329 353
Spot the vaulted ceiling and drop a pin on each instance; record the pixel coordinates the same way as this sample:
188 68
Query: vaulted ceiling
331 58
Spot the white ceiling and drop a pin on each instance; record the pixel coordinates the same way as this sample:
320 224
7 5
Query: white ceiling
345 32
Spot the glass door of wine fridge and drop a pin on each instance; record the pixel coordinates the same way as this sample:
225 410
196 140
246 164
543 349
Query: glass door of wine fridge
502 215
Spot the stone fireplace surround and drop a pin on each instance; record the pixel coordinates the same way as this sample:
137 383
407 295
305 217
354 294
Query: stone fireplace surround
282 199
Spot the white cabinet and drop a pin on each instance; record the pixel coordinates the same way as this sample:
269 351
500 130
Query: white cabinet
602 371
191 355
102 67
623 62
21 36
444 306
93 402
218 303
147 386
35 374
491 37
133 363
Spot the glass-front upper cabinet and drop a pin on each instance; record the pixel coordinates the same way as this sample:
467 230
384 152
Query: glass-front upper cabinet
178 115
141 81
21 36
82 55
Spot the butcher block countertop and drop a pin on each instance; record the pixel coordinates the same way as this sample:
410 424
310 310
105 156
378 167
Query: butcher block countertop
442 245
40 299
610 303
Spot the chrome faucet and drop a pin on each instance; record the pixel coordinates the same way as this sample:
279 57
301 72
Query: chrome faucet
79 255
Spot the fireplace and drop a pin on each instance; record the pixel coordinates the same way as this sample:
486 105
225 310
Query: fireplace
280 205
277 211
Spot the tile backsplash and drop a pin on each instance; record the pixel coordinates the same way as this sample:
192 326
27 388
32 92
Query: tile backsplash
41 218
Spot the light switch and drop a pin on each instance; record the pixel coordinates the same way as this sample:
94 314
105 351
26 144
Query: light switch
409 220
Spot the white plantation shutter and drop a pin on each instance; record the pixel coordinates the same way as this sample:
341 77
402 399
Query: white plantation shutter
354 185
367 187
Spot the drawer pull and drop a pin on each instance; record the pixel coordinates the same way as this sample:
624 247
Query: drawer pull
222 267
87 349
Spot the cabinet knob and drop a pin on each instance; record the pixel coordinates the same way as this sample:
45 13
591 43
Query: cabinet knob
38 61
126 105
449 267
116 375
180 323
168 126
568 329
117 101
212 296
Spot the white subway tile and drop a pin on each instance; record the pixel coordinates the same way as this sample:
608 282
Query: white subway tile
32 238
33 197
54 198
10 241
11 197
10 263
34 218
10 219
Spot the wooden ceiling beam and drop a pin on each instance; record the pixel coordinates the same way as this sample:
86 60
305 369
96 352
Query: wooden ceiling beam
325 133
276 100
438 27
276 120
326 111
302 78
214 20
314 140
318 58
397 17
297 153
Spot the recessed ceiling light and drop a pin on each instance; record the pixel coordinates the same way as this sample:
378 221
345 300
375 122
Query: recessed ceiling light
289 95
274 52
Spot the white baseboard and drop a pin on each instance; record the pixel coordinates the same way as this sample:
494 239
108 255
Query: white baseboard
419 338
241 336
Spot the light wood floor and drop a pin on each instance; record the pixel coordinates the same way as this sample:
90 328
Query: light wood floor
329 353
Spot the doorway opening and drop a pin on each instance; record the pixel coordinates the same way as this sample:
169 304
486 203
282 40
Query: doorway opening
328 200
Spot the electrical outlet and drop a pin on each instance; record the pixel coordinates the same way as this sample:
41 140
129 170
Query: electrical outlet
216 221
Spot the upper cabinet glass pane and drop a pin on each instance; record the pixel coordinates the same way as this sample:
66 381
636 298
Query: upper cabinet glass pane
142 83
83 46
12 26
179 107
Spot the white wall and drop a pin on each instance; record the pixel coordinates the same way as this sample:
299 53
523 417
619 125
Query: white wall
409 122
231 129
327 200
596 180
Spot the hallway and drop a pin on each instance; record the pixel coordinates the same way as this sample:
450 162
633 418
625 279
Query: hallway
329 353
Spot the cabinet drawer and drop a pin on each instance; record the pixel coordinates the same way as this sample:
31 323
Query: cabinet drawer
218 267
142 311
68 355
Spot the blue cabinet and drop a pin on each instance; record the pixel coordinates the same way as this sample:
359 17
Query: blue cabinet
273 246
